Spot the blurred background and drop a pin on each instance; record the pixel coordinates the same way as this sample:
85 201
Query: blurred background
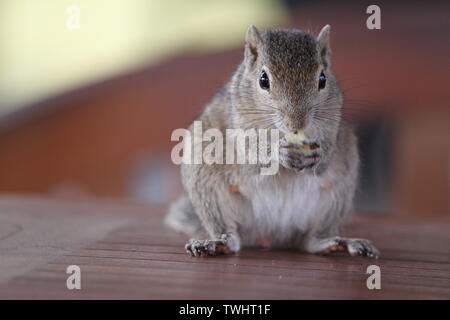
91 90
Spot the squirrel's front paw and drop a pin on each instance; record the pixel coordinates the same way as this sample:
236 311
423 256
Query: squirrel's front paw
298 157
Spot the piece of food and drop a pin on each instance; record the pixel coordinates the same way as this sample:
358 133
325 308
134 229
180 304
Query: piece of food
298 137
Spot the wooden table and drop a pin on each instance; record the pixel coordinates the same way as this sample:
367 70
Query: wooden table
124 251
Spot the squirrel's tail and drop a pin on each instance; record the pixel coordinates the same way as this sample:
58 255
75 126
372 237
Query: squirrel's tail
182 217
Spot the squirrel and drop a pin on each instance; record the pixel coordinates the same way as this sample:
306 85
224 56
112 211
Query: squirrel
285 81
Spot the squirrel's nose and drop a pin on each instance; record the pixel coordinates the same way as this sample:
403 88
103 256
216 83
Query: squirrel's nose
295 125
295 118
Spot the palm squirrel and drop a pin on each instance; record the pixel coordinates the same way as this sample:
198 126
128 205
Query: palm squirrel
284 82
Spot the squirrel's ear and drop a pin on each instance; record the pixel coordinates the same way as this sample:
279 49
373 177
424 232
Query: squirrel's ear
253 42
323 40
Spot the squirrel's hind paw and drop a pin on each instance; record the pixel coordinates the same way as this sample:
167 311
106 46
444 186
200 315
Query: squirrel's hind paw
197 248
354 246
227 243
362 247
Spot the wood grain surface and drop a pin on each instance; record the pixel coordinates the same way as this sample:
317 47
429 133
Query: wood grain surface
125 252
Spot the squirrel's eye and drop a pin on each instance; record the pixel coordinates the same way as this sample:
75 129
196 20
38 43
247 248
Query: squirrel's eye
264 82
322 81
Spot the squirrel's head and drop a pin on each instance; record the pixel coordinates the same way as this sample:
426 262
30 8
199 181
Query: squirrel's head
286 79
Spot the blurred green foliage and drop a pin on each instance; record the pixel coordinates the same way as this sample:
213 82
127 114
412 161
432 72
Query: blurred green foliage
40 56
